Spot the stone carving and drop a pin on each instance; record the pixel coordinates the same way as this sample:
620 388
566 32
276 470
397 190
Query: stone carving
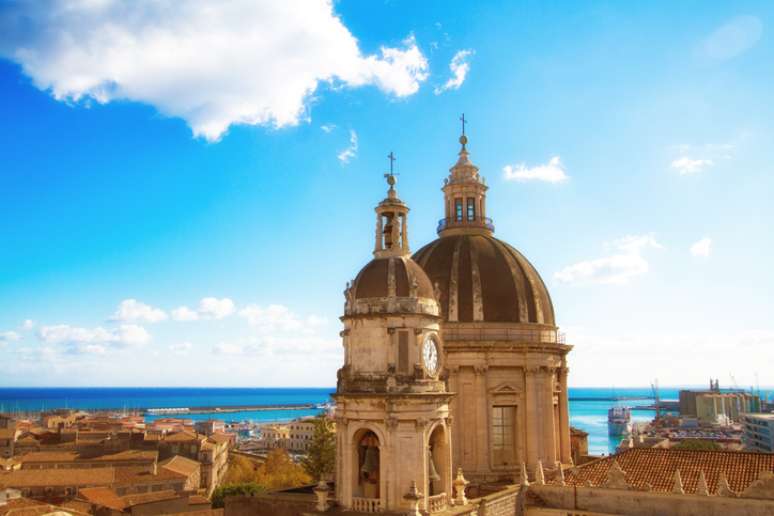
437 291
677 483
616 477
459 488
540 477
395 232
524 478
414 287
349 295
761 488
701 488
723 488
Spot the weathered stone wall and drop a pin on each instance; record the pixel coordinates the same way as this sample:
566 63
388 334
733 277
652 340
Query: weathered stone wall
582 500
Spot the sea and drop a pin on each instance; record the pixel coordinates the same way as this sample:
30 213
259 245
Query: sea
588 406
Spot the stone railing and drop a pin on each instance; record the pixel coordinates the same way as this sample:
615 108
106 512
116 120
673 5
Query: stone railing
524 335
437 503
366 504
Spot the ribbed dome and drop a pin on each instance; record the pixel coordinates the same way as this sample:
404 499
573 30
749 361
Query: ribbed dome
380 275
484 279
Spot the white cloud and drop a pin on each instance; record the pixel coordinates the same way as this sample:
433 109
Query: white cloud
328 128
9 336
211 64
551 172
93 340
183 313
687 166
459 67
224 348
181 348
702 248
619 268
28 324
733 38
133 310
272 318
350 152
214 308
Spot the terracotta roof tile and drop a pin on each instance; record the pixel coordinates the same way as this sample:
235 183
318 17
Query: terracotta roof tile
155 496
656 467
103 496
57 477
182 465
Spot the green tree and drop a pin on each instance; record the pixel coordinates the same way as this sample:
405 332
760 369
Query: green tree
697 445
245 488
321 456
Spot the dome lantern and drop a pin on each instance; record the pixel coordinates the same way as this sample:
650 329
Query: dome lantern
464 197
391 221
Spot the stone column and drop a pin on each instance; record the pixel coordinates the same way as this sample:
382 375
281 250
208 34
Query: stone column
482 419
549 425
404 233
564 417
378 242
530 397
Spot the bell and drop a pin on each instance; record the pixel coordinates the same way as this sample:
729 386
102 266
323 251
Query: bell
432 473
371 462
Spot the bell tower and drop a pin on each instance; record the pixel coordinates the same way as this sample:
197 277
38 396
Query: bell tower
393 440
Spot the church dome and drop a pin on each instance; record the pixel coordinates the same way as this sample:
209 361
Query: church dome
483 279
396 276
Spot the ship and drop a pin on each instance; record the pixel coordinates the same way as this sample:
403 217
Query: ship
619 421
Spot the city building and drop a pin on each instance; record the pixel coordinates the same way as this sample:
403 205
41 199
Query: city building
758 432
715 406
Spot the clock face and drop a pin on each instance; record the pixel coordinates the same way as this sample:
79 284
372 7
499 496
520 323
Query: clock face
430 355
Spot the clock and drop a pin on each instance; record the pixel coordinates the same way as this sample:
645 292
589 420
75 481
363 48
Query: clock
430 355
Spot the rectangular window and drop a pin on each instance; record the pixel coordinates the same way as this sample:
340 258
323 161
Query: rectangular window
471 208
503 435
458 210
403 351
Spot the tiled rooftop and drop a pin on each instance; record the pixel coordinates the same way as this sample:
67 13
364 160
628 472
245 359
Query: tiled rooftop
182 465
656 467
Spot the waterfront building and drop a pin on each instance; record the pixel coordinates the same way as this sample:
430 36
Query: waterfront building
758 432
715 406
8 434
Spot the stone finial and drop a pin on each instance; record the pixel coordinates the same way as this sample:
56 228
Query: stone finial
723 488
616 477
701 488
413 497
761 488
459 488
321 491
559 474
524 478
540 477
677 483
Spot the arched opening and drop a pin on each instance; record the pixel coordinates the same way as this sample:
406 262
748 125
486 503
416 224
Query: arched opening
438 469
367 465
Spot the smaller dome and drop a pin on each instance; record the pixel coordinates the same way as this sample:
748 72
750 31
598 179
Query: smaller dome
391 285
392 277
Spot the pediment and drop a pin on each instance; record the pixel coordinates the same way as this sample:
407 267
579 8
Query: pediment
505 388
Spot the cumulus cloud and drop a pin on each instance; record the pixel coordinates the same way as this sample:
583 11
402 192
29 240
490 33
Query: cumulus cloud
214 308
93 340
459 67
687 166
350 152
733 38
183 313
328 128
619 268
551 172
211 64
702 248
133 310
278 318
28 324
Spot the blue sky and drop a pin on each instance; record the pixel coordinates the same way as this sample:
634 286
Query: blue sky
227 161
